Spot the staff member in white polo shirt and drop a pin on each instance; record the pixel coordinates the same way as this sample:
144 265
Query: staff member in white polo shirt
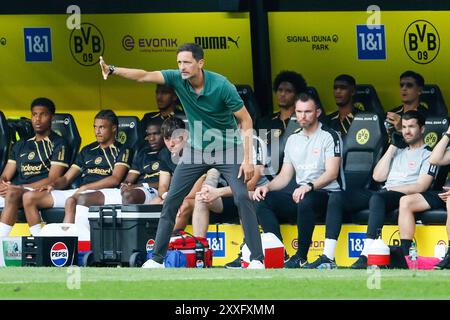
314 155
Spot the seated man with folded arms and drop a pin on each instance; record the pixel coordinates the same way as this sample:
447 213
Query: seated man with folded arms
32 163
403 171
101 164
418 202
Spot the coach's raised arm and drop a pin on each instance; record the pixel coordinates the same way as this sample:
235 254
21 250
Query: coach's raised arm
132 74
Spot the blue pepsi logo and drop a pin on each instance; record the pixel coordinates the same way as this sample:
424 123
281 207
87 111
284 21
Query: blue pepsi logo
59 254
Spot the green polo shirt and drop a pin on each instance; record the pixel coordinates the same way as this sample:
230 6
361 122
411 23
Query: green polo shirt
210 113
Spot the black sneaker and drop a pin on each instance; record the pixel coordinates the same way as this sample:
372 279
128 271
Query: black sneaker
286 256
235 264
445 263
323 262
361 263
295 262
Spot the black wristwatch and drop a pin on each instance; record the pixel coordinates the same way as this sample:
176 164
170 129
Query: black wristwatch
111 69
311 185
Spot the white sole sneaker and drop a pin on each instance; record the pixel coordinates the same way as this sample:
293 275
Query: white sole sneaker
152 264
256 264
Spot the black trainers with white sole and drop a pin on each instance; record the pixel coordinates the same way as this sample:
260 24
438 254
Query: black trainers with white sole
361 263
323 262
235 264
295 262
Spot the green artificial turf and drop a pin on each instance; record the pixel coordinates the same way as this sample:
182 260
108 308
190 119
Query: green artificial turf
174 284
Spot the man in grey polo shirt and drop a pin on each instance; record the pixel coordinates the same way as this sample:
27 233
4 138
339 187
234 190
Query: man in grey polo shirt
210 102
314 155
404 171
431 199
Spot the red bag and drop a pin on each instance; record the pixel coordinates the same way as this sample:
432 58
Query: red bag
423 263
196 249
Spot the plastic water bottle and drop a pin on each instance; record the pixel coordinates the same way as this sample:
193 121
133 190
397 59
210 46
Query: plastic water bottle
413 256
199 255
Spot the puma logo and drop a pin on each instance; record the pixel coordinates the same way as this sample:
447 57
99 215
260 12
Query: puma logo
234 41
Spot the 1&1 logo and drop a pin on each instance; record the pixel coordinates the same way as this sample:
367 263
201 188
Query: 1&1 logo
422 42
59 254
37 44
216 242
355 244
87 44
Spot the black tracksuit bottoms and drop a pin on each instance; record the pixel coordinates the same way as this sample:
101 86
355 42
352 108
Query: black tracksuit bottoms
279 206
347 202
194 163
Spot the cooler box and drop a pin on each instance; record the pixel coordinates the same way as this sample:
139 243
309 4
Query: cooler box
49 251
273 252
121 235
69 229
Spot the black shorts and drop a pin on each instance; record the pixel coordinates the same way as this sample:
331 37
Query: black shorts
230 213
433 199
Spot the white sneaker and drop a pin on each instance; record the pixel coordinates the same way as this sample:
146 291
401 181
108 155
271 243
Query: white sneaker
256 264
152 264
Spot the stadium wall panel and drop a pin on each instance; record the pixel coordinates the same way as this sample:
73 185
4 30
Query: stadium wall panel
227 240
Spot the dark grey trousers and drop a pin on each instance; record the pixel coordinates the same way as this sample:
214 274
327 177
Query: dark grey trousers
186 174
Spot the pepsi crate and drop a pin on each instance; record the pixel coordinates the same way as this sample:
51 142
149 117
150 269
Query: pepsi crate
121 235
49 251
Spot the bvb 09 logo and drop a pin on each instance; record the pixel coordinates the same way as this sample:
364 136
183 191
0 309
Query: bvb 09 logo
422 42
87 44
431 139
122 137
362 136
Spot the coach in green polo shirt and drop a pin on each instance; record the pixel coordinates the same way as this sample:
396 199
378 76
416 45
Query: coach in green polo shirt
212 108
211 104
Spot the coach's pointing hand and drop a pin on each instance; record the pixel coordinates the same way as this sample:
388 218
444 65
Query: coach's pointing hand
105 68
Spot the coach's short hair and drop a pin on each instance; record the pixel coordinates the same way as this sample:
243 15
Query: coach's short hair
108 114
44 102
197 51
